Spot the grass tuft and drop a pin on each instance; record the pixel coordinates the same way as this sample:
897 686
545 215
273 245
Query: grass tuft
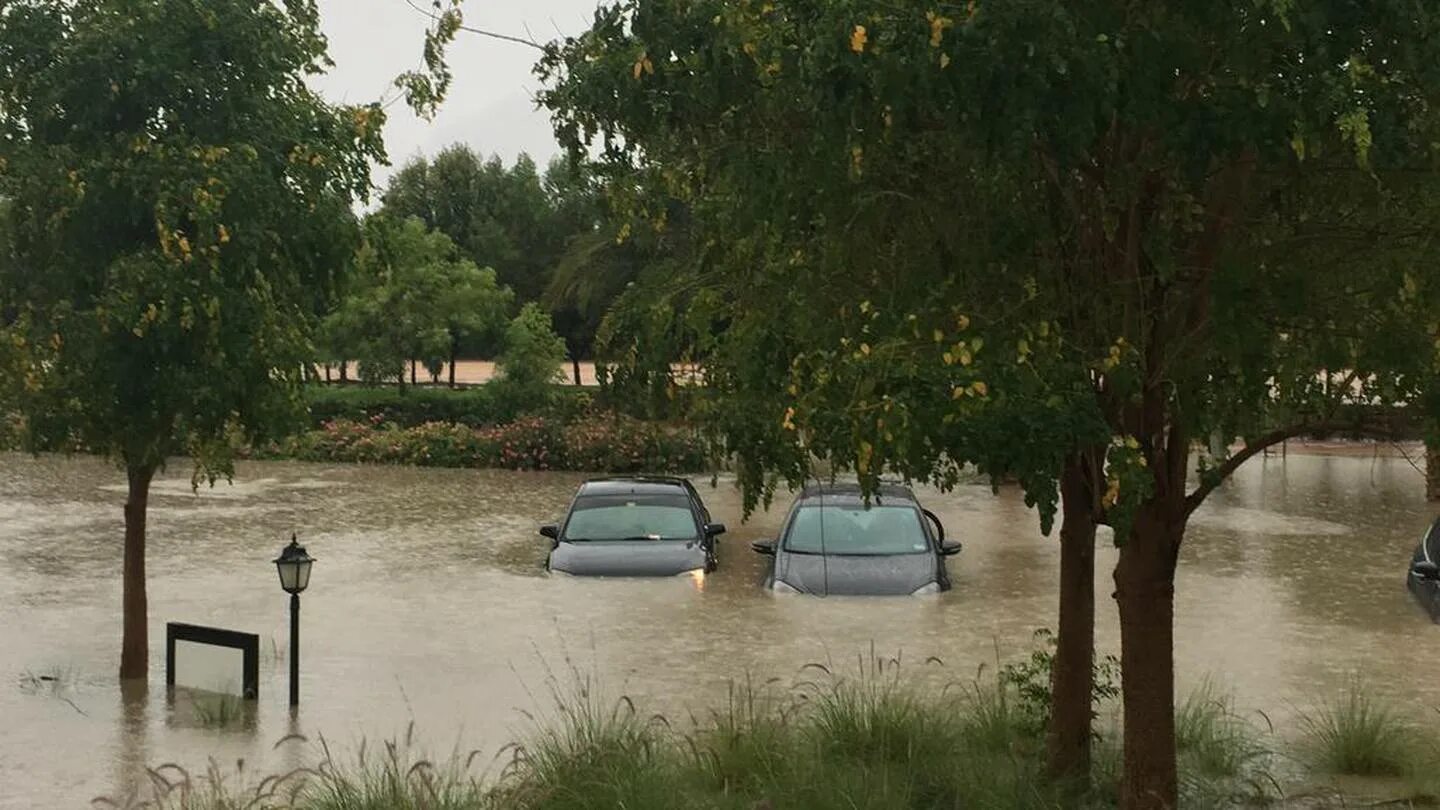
1357 734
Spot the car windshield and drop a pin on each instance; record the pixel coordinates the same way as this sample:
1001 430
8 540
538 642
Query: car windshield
853 529
631 517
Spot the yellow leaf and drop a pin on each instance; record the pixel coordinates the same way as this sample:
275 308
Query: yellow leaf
949 359
944 60
1132 443
862 460
865 349
962 323
788 422
857 158
649 66
980 388
639 68
957 392
748 48
858 38
224 235
1112 494
939 336
965 357
938 24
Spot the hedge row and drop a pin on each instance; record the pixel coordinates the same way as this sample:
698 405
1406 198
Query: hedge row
413 406
611 443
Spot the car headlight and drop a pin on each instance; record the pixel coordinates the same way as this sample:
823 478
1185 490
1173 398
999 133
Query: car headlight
782 586
930 587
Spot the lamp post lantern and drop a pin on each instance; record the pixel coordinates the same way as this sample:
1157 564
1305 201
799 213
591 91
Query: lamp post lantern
293 565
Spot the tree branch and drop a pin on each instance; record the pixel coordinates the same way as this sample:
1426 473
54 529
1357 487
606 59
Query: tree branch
482 32
1218 475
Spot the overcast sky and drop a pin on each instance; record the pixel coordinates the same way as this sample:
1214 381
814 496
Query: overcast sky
491 103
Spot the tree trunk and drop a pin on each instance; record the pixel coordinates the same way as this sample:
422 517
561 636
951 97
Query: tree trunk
412 372
135 644
327 373
344 371
575 366
1145 591
1073 678
1432 470
454 352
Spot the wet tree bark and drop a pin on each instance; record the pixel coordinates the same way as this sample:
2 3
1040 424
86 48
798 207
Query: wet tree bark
1072 685
1145 591
1432 470
135 642
575 366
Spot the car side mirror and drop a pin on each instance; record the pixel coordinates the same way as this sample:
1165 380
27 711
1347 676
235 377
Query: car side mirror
551 531
763 547
950 548
1425 569
714 529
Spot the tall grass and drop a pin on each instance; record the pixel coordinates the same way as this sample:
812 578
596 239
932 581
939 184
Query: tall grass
829 740
1358 734
1222 759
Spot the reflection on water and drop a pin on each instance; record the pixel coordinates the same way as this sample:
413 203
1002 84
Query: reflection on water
430 605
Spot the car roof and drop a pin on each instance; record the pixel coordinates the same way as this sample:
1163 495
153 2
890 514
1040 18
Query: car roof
633 485
885 491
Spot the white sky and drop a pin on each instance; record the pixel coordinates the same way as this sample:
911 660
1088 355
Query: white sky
491 103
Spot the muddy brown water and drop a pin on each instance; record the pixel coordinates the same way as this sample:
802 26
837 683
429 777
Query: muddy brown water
429 606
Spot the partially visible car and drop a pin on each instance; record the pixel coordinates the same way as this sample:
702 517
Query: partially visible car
637 526
834 542
1424 578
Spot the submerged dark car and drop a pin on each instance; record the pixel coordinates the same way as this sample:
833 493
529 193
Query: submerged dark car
834 543
634 527
1424 578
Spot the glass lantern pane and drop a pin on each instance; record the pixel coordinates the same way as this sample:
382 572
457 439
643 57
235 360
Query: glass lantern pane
302 575
288 574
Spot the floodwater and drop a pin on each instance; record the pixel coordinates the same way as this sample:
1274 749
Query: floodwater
429 606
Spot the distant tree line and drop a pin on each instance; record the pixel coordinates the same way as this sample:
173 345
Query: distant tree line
462 243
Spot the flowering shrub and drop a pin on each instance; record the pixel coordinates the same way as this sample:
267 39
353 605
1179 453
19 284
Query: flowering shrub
603 444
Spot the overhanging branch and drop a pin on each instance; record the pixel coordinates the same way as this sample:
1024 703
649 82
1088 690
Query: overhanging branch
1252 448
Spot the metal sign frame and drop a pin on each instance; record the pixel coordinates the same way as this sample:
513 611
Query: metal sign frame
247 643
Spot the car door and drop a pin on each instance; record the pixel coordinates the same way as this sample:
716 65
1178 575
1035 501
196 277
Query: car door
935 530
702 515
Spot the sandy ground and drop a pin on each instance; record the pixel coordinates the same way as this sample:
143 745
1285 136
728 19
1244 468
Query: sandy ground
475 372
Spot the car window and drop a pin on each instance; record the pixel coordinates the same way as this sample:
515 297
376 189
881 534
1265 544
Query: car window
856 530
623 517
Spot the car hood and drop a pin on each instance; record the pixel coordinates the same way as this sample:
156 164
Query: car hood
628 558
884 575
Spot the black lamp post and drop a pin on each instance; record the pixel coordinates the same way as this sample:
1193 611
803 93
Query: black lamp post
294 567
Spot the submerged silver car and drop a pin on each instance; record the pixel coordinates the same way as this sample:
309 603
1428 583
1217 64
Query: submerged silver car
634 527
835 542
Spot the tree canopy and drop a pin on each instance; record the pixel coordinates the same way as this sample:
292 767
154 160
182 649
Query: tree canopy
1035 236
178 198
413 298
